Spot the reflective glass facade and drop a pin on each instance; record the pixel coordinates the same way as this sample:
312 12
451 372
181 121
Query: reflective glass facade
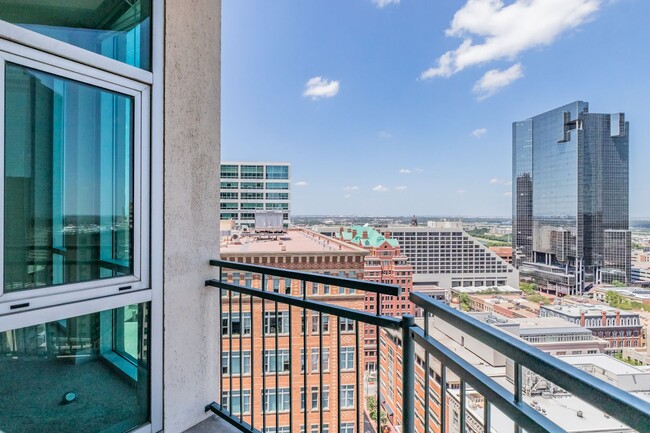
570 185
68 181
119 30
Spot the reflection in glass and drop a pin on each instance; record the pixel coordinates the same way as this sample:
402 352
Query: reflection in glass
118 29
40 364
68 183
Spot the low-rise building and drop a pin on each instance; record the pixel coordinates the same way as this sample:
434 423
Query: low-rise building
620 328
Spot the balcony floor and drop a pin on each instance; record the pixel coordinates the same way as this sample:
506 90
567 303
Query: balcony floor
214 424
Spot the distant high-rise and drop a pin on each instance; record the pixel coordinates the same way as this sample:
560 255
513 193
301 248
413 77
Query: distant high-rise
250 187
570 195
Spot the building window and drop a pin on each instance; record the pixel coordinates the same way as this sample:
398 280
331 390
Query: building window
96 236
232 401
122 33
238 325
252 185
277 185
277 172
252 172
277 196
325 323
314 359
314 398
346 325
276 322
240 364
276 361
347 396
107 351
269 398
347 358
347 427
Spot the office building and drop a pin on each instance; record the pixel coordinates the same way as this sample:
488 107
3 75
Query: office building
570 198
296 249
449 257
250 187
385 264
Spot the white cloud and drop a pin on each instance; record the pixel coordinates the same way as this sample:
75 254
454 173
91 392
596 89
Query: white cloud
350 188
380 188
318 87
494 80
384 135
384 3
480 132
347 196
301 183
400 188
507 194
405 171
461 191
492 30
497 181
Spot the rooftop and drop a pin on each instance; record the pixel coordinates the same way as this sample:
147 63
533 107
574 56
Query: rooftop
293 241
588 310
548 325
366 237
606 364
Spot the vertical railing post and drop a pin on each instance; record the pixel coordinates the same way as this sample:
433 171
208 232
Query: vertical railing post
408 373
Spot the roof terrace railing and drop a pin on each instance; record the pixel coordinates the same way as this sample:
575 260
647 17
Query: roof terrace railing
277 404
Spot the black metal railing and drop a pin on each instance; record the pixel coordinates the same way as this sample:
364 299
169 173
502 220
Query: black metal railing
286 293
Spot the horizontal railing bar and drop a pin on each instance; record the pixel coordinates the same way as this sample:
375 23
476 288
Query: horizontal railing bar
350 283
521 413
236 422
620 404
348 313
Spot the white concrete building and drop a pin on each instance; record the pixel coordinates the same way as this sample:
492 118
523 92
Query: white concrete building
449 257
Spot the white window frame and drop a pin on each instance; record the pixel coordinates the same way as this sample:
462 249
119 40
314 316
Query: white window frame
72 58
29 299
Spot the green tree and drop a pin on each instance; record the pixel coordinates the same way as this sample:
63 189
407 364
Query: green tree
617 283
465 302
613 298
371 405
528 288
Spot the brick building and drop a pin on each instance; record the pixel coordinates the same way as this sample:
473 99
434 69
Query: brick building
282 358
384 264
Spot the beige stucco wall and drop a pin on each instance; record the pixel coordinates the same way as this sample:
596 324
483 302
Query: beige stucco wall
191 208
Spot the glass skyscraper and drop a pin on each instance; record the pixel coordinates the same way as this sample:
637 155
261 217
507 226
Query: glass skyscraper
570 198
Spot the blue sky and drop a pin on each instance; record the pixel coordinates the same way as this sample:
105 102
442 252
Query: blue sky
383 109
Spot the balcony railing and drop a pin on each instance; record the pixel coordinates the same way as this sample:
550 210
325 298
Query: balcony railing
435 380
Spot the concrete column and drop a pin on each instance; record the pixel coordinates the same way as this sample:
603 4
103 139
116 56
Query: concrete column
191 209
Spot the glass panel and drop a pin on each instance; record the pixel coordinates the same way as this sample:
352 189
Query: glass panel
277 172
68 181
73 358
116 29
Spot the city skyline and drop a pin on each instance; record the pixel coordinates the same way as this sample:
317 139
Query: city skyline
358 114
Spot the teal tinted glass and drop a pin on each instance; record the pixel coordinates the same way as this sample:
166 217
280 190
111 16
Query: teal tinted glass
103 358
117 29
68 182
